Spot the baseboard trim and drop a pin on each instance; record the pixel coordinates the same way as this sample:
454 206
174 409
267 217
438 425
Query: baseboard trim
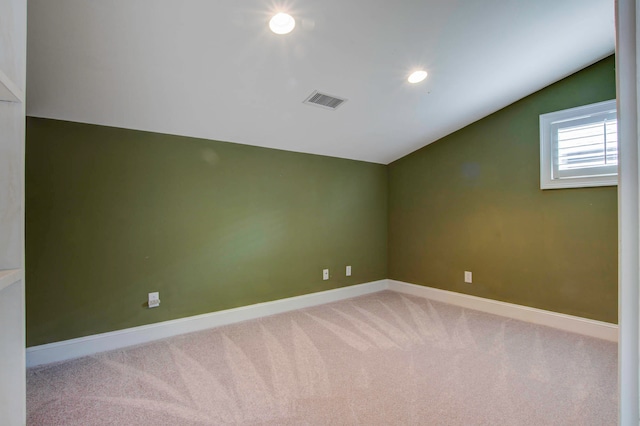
588 327
89 345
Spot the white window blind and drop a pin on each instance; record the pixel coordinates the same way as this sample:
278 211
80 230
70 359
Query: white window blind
579 147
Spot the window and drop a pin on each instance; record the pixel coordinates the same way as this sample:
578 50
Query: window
579 147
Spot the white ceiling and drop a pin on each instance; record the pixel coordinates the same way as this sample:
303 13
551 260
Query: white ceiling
212 69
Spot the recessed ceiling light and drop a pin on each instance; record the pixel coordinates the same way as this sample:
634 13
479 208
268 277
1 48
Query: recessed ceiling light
281 23
417 76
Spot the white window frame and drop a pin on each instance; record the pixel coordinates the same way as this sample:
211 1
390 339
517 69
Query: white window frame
549 123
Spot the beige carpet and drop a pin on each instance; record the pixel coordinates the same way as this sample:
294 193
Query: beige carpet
381 359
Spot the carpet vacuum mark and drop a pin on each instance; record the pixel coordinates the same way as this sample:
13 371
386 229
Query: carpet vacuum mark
379 359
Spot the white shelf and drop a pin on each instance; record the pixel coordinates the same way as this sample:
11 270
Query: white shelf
9 91
9 276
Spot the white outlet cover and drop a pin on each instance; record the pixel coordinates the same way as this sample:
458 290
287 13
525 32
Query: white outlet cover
325 274
468 277
348 272
154 299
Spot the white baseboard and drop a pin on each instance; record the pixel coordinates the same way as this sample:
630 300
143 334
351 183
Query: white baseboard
588 327
83 346
75 348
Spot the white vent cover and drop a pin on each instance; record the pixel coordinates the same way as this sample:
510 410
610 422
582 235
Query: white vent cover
323 100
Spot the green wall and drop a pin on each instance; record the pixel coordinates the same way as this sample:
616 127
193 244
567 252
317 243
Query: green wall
472 201
113 214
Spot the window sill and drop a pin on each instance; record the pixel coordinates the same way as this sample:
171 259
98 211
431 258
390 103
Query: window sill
579 182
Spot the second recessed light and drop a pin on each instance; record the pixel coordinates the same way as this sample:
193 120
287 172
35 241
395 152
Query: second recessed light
417 76
282 23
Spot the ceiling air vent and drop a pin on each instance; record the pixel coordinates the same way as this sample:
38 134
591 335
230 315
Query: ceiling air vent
324 101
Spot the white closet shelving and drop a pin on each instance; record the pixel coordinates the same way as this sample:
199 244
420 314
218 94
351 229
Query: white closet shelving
9 276
9 91
13 43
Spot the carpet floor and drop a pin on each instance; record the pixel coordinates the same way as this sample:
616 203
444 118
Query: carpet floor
380 359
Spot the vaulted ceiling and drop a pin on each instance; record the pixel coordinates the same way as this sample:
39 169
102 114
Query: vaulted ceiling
213 69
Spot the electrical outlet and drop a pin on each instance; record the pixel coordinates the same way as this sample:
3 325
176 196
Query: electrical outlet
325 274
154 299
348 272
468 278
